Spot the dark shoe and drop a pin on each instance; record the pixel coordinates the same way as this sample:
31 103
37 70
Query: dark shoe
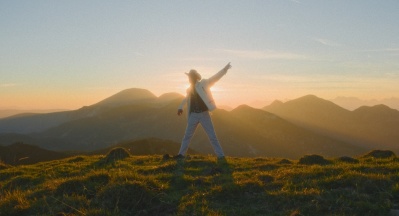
222 158
179 156
166 157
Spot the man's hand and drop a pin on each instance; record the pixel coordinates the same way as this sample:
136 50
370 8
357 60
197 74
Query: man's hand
228 66
179 112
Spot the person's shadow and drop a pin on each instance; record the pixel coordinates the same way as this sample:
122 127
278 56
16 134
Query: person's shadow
225 179
180 186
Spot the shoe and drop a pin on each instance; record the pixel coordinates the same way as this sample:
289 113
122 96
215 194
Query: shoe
222 160
179 156
166 157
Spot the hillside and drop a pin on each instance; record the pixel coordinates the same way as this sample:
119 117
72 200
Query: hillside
19 153
22 154
370 127
200 185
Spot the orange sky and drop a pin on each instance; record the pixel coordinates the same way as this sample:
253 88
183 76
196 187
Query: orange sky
68 54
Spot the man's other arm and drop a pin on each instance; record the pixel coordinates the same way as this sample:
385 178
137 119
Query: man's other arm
180 109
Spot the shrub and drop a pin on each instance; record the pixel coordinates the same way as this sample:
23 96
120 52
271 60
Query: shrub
116 154
347 159
380 154
284 161
313 159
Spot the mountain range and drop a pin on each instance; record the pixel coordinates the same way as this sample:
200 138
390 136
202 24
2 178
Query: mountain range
352 103
370 127
307 125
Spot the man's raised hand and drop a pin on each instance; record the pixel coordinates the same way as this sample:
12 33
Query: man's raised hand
228 66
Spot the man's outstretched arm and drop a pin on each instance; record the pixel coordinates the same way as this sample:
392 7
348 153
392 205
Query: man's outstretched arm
219 74
180 109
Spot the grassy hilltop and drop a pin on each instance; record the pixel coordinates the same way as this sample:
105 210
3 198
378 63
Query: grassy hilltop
120 184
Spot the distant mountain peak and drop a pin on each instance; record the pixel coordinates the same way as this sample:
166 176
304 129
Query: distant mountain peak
276 102
377 113
308 108
310 97
248 109
127 96
170 96
314 101
353 103
135 93
381 108
243 107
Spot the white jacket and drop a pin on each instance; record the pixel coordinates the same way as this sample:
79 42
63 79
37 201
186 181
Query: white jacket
203 89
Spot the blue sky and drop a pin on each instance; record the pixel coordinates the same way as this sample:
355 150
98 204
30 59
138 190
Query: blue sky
67 54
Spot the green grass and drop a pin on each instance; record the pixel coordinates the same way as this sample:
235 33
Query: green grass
199 185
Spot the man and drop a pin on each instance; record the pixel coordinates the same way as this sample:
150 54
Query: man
199 102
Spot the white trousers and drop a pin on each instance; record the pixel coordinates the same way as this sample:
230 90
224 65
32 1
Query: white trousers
205 120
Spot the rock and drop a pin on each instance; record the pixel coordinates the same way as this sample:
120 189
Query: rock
313 159
116 154
380 154
284 161
347 159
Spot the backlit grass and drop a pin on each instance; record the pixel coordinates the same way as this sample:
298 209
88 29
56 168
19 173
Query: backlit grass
199 185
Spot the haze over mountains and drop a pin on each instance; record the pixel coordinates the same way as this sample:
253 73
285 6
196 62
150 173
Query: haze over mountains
307 125
352 103
11 112
371 127
349 103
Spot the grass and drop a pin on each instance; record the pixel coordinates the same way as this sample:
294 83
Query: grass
199 185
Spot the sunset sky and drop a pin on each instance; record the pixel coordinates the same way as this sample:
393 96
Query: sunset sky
71 53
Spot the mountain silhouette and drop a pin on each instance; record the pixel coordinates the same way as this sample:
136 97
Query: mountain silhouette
370 127
307 125
39 122
244 131
128 96
376 113
169 97
352 103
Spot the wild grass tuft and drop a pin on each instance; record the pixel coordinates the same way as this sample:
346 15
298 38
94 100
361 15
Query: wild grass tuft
3 165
